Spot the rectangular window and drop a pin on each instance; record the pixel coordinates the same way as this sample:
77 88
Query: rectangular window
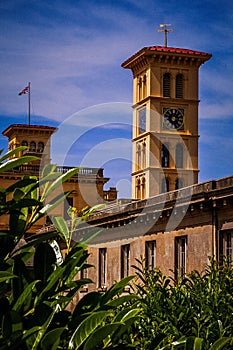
150 255
102 267
125 260
141 120
180 256
226 245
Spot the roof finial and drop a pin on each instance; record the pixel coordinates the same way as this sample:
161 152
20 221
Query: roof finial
165 30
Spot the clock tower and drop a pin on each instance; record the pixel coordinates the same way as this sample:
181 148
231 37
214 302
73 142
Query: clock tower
165 119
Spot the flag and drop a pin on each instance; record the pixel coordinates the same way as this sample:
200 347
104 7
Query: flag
24 91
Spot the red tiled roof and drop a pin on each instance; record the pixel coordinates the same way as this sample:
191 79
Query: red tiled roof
175 50
163 49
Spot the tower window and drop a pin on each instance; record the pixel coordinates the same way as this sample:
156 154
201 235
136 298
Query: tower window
143 155
167 85
24 143
40 147
179 183
139 89
142 120
144 86
165 156
143 188
180 256
138 158
138 189
165 185
179 86
179 155
125 260
32 146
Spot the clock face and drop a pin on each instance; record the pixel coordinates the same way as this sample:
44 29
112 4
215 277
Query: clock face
142 120
173 119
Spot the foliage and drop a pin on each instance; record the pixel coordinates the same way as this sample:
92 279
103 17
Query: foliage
191 313
34 312
194 313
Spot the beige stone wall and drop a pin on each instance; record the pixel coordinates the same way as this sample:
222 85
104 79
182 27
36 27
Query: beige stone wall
199 248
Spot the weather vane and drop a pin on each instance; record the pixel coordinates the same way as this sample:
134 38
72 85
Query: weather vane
165 30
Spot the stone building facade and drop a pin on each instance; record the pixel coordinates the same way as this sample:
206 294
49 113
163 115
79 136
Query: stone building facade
37 139
175 231
171 222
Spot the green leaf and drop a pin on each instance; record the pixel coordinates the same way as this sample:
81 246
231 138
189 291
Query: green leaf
53 281
121 300
12 152
11 323
20 184
5 276
98 336
30 335
64 177
130 314
25 296
61 226
85 328
18 194
51 339
42 331
197 343
117 288
15 162
18 221
47 208
220 343
48 169
44 259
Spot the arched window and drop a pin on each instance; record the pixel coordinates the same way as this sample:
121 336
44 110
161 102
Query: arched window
165 185
143 188
179 86
144 86
40 147
167 85
32 146
143 155
139 89
24 143
165 155
138 157
179 155
138 189
179 183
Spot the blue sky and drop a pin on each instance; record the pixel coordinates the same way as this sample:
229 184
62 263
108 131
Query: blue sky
71 52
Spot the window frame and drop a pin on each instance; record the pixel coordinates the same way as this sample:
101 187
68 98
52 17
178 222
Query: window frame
165 155
150 254
179 86
180 256
141 120
125 260
167 84
226 246
102 276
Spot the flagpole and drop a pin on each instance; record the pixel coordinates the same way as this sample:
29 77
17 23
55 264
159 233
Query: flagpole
29 103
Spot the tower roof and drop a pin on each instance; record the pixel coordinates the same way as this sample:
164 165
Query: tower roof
35 128
162 52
